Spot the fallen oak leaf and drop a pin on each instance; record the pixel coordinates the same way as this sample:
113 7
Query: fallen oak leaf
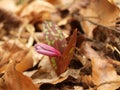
103 13
15 50
102 70
15 80
26 62
44 74
8 49
35 9
115 2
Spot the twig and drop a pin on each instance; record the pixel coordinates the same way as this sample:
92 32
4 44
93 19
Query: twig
95 23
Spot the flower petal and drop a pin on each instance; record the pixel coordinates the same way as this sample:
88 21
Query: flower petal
46 50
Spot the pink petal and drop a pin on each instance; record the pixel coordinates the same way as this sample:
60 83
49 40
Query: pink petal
46 50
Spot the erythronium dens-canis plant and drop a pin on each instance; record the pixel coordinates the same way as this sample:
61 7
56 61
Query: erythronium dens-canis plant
56 46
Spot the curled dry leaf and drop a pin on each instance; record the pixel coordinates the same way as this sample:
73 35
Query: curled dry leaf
71 5
37 7
27 59
54 70
8 49
78 88
115 2
102 12
61 4
15 50
54 2
102 70
26 62
14 80
45 73
78 5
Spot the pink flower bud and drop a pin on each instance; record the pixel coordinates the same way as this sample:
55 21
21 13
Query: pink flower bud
47 50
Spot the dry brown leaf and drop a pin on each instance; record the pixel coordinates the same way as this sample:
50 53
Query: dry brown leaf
45 74
27 59
102 70
78 88
26 62
87 79
8 49
44 15
35 8
115 2
16 57
54 2
38 6
102 12
61 4
59 80
78 5
14 80
15 50
71 5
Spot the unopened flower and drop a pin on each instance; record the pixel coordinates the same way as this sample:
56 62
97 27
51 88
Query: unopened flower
47 50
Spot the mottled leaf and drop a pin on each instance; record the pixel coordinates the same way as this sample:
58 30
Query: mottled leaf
55 38
15 80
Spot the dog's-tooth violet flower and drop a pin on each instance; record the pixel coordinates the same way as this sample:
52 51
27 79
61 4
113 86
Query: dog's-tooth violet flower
46 50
